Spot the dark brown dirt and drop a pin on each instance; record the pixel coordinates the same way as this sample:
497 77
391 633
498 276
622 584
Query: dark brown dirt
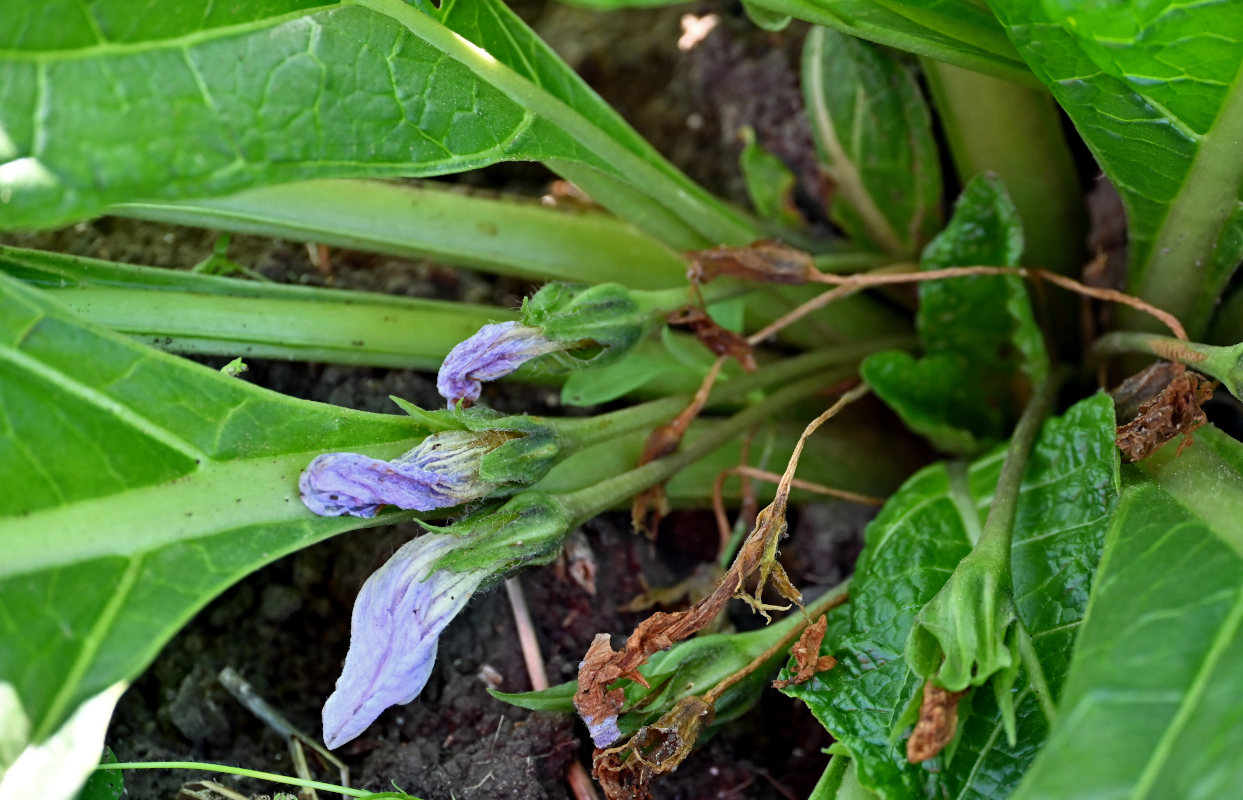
286 628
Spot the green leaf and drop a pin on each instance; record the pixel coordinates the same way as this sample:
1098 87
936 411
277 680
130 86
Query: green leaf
874 134
1152 699
1157 94
208 314
922 533
505 235
962 33
374 88
138 486
104 784
981 343
770 184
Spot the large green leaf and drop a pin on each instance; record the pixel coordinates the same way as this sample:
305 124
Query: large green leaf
1156 91
911 548
137 487
505 235
267 91
186 312
980 340
1151 706
874 133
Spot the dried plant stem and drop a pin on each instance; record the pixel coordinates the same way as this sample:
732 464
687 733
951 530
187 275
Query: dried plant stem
849 284
580 782
796 483
823 604
526 635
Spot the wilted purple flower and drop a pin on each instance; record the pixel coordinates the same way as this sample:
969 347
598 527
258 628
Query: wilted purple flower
443 471
603 733
397 621
493 352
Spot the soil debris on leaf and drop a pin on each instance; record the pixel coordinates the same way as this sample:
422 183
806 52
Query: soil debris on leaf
764 261
1162 402
806 652
938 721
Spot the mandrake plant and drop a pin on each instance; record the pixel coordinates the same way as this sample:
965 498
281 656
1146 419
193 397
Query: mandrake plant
1049 605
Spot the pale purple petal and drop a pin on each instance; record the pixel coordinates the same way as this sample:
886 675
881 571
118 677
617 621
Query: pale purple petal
604 732
442 472
493 352
397 621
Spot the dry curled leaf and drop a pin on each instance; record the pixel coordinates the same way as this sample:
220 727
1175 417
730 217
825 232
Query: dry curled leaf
1162 402
720 341
764 261
938 721
806 652
625 772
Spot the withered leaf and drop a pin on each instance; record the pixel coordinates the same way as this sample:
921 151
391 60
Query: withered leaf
764 261
625 772
1162 402
938 721
806 652
720 341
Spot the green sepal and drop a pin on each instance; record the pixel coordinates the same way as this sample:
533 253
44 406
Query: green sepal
527 529
607 316
435 421
964 634
523 459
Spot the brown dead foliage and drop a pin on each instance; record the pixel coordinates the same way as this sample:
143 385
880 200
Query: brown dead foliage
1162 402
763 261
756 564
625 772
720 341
938 721
806 652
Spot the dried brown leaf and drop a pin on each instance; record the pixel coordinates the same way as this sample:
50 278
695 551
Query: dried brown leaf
720 341
806 652
764 261
938 721
625 772
1165 400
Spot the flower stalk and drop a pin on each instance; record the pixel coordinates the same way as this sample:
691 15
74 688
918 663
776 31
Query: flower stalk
966 634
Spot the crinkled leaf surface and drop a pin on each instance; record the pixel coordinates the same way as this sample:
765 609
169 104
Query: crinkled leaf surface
874 134
1151 706
1156 90
921 534
137 487
980 340
267 91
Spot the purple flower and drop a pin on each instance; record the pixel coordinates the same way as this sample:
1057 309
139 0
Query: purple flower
397 621
493 352
443 471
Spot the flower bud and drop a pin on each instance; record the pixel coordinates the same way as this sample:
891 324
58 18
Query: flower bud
441 472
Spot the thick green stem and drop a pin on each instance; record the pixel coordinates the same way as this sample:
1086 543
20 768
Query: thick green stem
578 433
998 532
995 126
588 502
1223 363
